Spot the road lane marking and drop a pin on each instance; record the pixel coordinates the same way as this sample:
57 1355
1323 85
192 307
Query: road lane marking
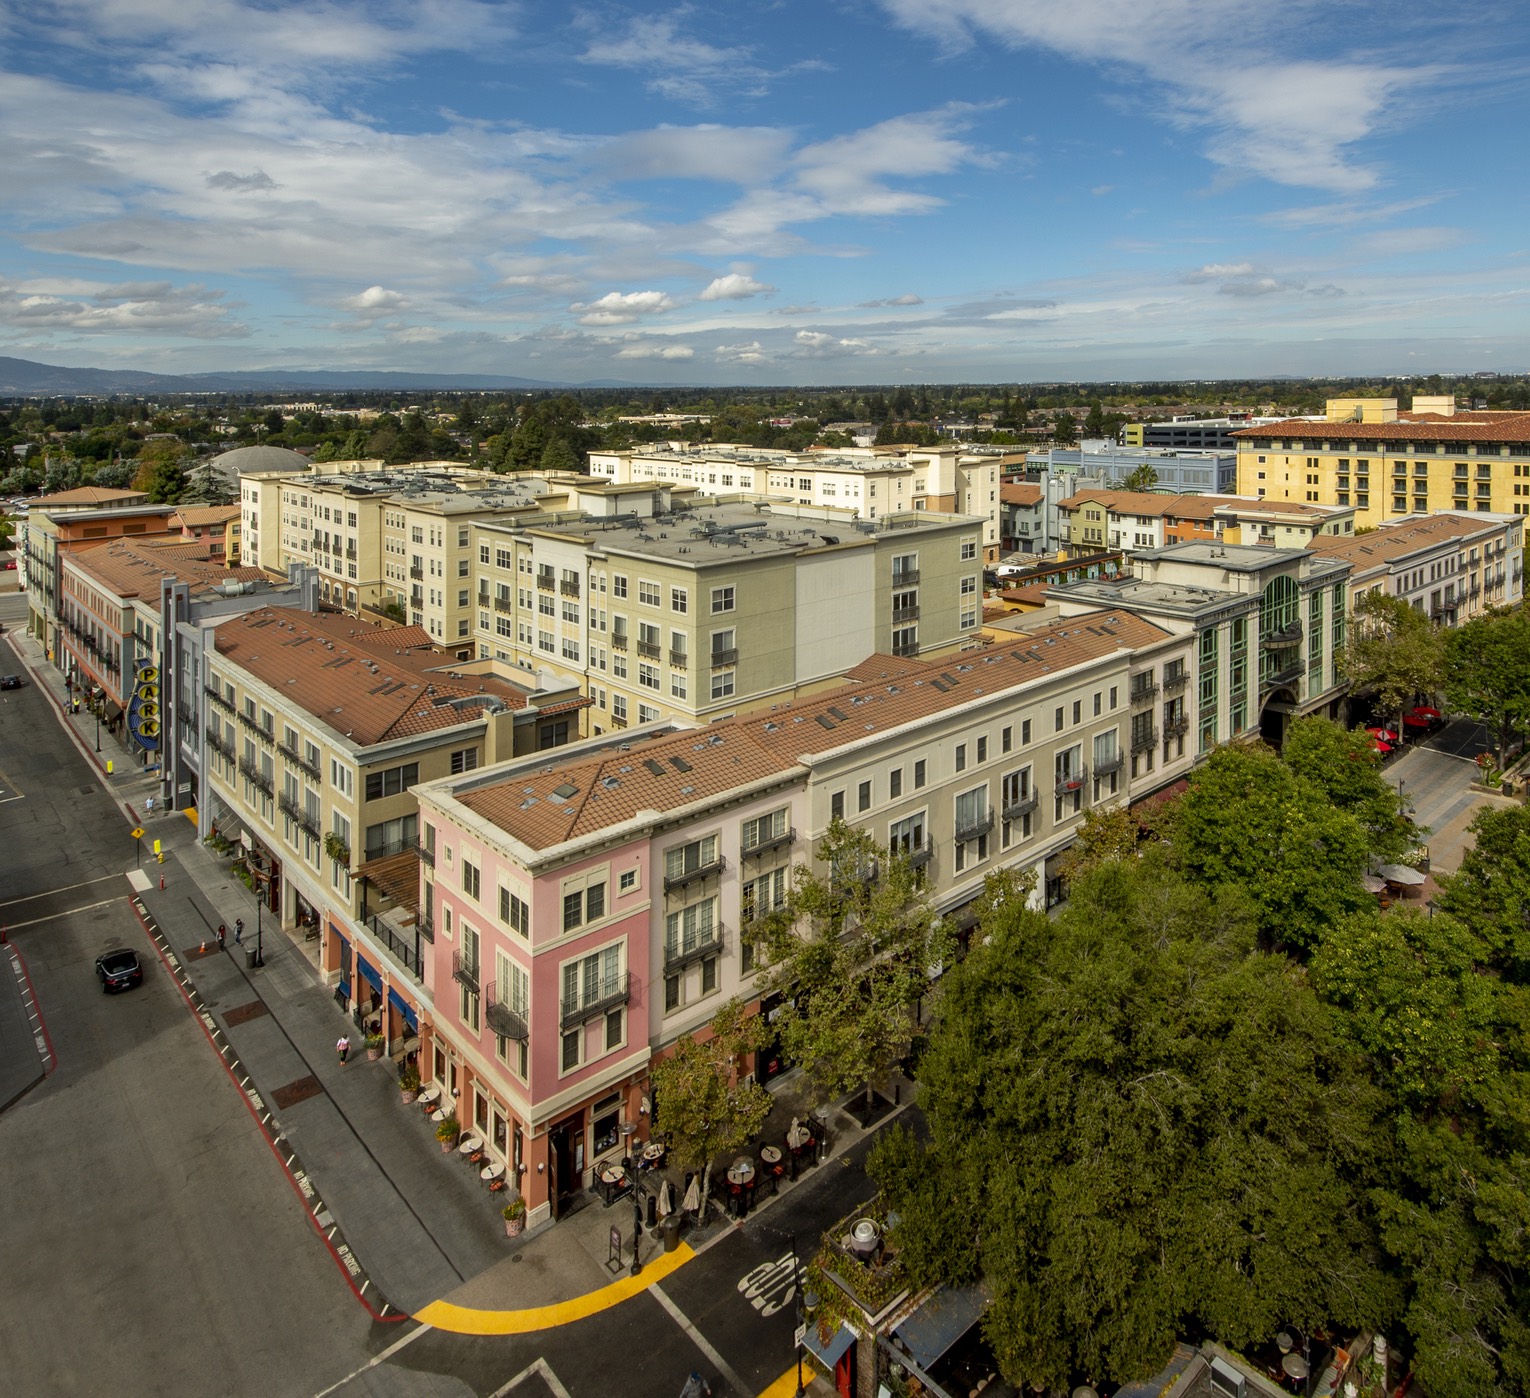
68 912
466 1320
543 1370
376 1359
67 888
702 1343
783 1387
772 1285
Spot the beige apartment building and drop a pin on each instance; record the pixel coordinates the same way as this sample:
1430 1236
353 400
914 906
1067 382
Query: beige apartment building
870 482
1387 463
314 731
693 610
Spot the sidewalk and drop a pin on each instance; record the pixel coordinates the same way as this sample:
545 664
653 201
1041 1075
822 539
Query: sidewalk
417 1220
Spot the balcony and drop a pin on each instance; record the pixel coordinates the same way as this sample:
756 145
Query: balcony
679 955
502 604
605 994
418 574
1142 693
618 640
729 656
1020 807
1070 782
1285 672
546 582
216 696
1174 681
502 1020
1108 765
769 843
906 613
907 578
256 778
906 648
679 660
1177 727
569 587
427 926
395 942
425 855
977 826
696 875
649 650
921 854
297 814
224 750
1288 635
1144 738
465 972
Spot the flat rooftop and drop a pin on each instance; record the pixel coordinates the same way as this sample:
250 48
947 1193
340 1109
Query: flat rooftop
439 489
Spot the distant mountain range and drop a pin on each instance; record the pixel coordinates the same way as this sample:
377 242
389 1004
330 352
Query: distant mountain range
24 378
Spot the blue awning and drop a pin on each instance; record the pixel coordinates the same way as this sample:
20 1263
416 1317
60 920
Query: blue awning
402 1006
830 1354
344 987
942 1320
369 973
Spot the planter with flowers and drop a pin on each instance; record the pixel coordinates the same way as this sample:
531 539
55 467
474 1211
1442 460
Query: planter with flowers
515 1217
409 1083
447 1131
375 1045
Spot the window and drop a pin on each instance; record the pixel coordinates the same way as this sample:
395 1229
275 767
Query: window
679 599
837 806
982 750
724 646
919 771
515 913
1025 726
648 594
1016 803
573 1042
464 760
973 822
1078 711
341 777
470 878
895 783
681 860
969 549
722 600
618 585
627 882
1057 719
722 683
648 675
392 780
391 836
619 707
863 797
582 905
762 829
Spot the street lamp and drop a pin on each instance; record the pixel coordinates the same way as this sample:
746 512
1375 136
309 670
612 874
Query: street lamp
629 1164
799 1334
98 727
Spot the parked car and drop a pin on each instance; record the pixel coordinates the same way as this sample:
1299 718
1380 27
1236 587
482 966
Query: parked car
10 681
119 970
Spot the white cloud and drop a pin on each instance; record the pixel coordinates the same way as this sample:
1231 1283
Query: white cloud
376 300
1289 118
815 344
752 352
655 350
130 309
736 286
741 155
621 307
908 299
1216 271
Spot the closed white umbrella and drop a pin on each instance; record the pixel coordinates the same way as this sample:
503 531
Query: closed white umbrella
692 1203
666 1199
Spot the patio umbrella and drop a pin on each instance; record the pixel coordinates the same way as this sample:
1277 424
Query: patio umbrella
1385 734
1401 873
1382 747
1371 884
692 1201
666 1199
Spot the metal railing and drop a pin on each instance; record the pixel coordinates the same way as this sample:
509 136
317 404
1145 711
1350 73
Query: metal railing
1175 680
255 776
679 659
980 825
225 750
678 955
906 648
1021 807
217 697
1290 670
425 855
568 587
418 574
690 876
1144 738
618 640
649 649
725 657
546 582
907 578
605 994
906 613
768 843
1141 693
396 947
465 972
918 854
1177 727
501 1019
1072 781
1109 765
1288 635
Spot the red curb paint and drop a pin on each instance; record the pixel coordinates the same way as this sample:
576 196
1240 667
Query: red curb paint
265 1135
36 1004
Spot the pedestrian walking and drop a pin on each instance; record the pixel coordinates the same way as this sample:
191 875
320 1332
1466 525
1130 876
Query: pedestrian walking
343 1047
149 804
238 931
222 935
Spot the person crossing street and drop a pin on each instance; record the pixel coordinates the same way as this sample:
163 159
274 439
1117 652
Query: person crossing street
343 1047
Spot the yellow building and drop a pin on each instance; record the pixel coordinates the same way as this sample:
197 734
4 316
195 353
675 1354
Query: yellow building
1385 463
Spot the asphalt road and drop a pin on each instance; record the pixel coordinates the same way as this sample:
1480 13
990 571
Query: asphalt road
152 1243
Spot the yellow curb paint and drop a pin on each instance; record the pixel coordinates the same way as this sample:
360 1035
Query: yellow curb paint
464 1320
785 1385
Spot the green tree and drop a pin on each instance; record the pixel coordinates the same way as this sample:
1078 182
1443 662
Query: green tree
1064 429
700 1102
1394 652
1142 477
162 470
1250 822
1139 1126
1490 891
1487 673
1346 767
854 946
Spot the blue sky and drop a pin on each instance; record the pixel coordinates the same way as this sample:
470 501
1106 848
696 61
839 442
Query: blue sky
843 191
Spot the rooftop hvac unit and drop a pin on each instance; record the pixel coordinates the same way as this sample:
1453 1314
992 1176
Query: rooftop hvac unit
1227 1380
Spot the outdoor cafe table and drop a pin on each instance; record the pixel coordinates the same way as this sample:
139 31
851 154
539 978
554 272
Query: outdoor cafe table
492 1171
429 1098
469 1144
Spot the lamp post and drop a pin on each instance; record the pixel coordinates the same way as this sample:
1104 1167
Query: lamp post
798 1336
629 1164
98 727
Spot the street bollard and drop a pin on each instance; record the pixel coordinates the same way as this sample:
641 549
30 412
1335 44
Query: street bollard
161 882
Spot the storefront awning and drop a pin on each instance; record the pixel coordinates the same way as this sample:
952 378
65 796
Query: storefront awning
831 1353
402 1006
369 973
938 1324
113 711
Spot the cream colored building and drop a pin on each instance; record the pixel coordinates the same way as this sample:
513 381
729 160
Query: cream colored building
672 609
871 482
1387 463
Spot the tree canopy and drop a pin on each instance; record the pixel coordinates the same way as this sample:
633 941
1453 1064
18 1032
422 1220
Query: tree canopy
1394 652
1487 673
1140 1125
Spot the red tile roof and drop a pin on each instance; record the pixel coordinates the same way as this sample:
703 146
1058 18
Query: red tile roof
1503 427
87 495
1020 493
584 796
133 567
369 682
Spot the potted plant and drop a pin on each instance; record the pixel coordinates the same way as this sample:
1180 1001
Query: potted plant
375 1045
515 1217
337 849
409 1082
448 1130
